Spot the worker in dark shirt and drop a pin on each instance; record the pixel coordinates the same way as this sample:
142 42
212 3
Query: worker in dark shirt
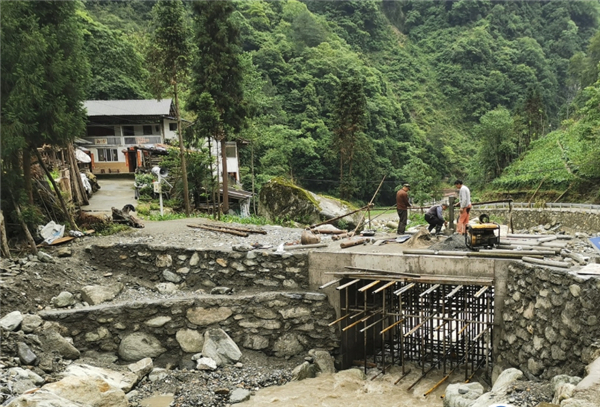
435 218
402 205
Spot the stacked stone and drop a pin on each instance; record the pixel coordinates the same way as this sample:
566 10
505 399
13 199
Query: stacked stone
283 324
240 269
550 321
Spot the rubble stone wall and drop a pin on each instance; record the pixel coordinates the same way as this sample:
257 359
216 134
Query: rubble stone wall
577 220
550 323
279 323
255 269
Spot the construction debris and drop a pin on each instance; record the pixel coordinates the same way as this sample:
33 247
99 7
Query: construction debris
351 243
309 237
124 216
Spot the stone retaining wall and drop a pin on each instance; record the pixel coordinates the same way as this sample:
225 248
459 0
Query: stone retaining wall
550 321
278 323
581 221
258 269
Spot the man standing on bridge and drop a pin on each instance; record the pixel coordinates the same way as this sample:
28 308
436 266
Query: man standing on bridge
402 205
464 196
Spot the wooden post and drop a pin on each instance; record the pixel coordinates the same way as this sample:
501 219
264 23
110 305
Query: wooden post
5 248
57 191
536 191
510 219
24 226
81 192
451 213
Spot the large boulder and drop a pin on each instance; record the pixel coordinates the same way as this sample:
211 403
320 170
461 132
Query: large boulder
52 341
120 380
11 321
97 294
220 347
287 346
140 345
499 393
42 398
76 389
281 199
190 340
94 392
462 394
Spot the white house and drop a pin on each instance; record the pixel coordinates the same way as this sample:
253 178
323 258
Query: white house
116 128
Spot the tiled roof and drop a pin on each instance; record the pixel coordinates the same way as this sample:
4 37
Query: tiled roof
128 107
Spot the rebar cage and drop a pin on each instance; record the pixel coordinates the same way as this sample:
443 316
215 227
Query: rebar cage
435 325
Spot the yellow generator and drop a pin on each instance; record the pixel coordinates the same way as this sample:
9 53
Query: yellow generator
486 235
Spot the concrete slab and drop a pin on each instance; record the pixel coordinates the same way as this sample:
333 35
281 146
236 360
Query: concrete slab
116 192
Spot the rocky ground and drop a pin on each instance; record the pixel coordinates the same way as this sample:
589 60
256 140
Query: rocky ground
31 283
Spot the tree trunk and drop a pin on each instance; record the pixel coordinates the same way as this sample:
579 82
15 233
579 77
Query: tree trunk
27 174
186 191
225 178
24 226
5 248
57 191
252 163
212 174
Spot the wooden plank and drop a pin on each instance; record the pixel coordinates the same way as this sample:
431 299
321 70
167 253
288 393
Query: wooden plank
348 284
330 283
366 287
382 271
383 287
304 246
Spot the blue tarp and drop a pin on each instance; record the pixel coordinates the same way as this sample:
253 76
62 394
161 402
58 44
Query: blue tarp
595 242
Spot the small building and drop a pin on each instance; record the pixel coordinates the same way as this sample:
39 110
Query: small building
119 131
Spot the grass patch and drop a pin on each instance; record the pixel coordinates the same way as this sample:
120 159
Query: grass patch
110 228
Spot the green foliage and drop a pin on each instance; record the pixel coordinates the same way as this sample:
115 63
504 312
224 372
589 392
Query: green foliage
549 159
44 76
197 171
107 229
217 69
144 181
117 68
349 140
497 149
170 49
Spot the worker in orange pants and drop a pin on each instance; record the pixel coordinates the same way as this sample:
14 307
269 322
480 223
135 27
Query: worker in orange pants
464 196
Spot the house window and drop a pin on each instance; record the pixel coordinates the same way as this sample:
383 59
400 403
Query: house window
100 131
173 126
107 154
147 130
230 151
128 131
157 129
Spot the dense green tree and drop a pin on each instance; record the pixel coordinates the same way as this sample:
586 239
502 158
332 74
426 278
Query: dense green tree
44 75
117 69
497 143
350 122
218 71
169 56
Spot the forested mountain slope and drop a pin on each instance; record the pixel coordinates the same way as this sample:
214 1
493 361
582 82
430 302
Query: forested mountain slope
438 89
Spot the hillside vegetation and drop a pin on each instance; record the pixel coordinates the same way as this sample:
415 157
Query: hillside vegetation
332 95
452 89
